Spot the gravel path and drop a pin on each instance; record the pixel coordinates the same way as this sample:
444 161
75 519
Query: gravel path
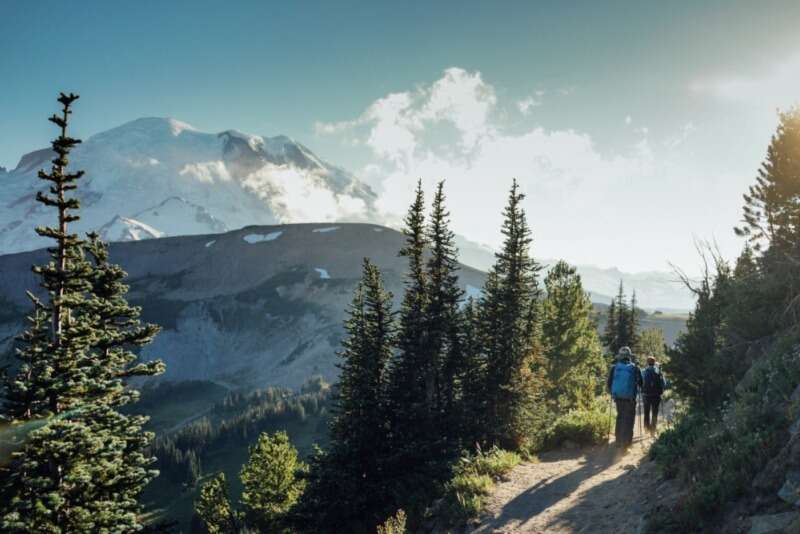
595 490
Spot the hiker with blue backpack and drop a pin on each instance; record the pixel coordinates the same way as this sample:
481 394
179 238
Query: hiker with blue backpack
624 382
653 386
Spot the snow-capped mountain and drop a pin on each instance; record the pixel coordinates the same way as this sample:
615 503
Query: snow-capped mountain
155 177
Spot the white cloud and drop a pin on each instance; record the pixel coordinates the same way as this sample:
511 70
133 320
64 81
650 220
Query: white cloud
526 105
625 206
558 167
295 196
628 119
208 172
777 85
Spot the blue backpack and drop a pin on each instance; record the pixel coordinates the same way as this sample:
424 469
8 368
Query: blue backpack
623 385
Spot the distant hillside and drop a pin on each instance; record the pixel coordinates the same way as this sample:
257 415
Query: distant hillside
657 290
259 306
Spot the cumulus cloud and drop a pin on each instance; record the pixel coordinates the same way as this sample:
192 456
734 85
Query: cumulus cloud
453 129
296 196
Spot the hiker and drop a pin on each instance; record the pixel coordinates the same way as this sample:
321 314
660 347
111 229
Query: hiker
624 381
653 385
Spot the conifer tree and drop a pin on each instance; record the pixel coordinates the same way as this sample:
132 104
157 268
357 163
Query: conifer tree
271 484
411 389
611 331
632 325
652 343
347 484
214 507
443 320
569 335
510 329
771 223
473 403
772 206
80 464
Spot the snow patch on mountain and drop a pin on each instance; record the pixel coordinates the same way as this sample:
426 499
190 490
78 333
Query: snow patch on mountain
323 273
259 238
325 230
125 229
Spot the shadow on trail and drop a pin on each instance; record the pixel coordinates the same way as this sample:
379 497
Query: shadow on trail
616 505
549 492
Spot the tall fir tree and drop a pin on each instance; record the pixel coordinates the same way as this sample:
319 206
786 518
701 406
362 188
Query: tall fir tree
622 323
610 332
632 325
443 323
346 491
411 388
515 383
79 465
569 335
473 381
771 223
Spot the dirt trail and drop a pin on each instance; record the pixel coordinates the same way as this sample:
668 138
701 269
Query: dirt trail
596 490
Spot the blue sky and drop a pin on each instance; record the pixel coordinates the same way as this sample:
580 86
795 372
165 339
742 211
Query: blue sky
633 126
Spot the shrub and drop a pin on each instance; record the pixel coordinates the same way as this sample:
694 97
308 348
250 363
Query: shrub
473 479
394 525
717 453
583 427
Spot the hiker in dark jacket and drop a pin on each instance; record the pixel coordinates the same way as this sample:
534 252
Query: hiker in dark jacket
653 385
624 381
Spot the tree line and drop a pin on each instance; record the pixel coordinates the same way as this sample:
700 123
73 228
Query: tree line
443 375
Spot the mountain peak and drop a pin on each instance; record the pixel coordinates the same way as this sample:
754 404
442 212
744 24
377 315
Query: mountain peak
152 125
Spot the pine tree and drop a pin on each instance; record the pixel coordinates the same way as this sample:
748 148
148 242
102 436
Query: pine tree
444 321
346 490
411 388
569 335
771 223
622 325
623 319
473 405
80 464
772 206
271 484
652 343
632 325
510 325
610 332
214 507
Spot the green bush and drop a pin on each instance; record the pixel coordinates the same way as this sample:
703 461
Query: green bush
495 464
394 525
583 427
473 479
717 453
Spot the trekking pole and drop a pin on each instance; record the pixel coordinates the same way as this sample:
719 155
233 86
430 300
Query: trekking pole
641 409
610 416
